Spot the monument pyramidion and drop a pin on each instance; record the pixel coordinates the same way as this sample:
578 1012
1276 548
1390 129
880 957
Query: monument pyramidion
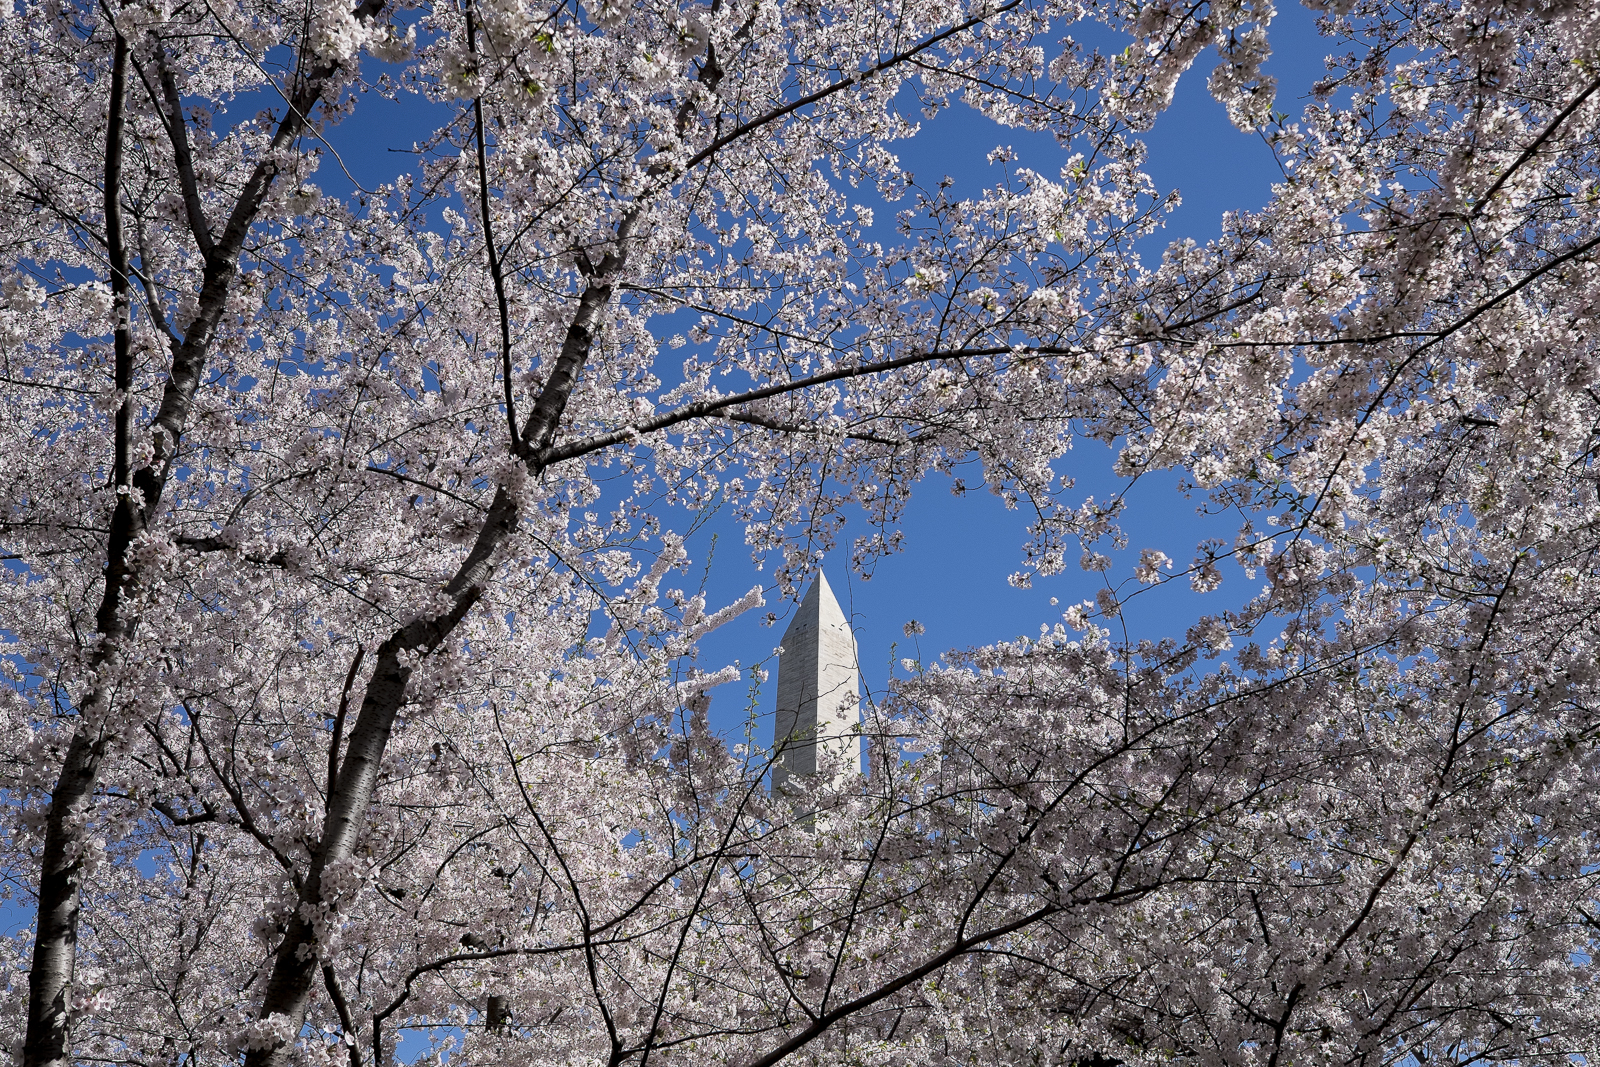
817 729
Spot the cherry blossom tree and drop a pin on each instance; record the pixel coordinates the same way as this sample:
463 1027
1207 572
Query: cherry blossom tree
349 688
1388 375
347 459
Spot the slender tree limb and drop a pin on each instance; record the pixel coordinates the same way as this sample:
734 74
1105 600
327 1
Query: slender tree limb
178 133
700 409
538 433
381 1016
429 486
496 274
895 60
188 366
208 813
330 979
806 431
1538 142
280 558
338 721
934 963
152 298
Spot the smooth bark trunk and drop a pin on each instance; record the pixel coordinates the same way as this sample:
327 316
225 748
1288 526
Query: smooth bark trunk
49 1037
297 964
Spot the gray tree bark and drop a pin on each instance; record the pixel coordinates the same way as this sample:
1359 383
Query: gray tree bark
49 1034
296 963
49 1024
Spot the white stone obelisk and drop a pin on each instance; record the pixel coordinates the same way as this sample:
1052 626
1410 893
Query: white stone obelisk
819 689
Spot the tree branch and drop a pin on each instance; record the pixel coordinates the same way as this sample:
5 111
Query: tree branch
700 409
178 133
346 1022
188 365
1529 152
49 1023
805 431
338 721
837 87
934 963
496 274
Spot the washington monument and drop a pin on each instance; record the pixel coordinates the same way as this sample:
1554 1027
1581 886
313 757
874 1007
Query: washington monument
819 684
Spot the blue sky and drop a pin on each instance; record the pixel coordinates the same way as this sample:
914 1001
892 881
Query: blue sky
952 573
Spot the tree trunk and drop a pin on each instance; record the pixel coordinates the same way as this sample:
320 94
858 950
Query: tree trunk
55 937
55 944
49 1038
296 964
